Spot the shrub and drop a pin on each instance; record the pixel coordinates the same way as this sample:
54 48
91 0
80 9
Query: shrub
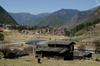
82 48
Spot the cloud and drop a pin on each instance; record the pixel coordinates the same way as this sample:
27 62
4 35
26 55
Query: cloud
97 3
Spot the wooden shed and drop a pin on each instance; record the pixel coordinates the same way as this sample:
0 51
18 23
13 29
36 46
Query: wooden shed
81 54
57 49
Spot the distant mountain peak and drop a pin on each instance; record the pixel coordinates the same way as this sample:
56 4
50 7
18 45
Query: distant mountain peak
61 18
25 17
95 8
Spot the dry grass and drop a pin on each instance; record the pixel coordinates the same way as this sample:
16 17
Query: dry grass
14 35
31 61
20 45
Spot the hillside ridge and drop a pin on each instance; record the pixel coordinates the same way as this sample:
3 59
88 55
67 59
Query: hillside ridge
5 18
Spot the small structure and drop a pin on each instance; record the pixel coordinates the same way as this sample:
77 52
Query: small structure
8 26
57 49
80 54
1 30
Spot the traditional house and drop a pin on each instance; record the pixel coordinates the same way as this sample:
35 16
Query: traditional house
8 26
57 49
28 31
1 30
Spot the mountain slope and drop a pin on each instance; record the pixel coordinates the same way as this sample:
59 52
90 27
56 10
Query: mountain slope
21 17
26 18
79 18
5 18
32 22
92 31
95 15
36 20
58 18
63 18
83 17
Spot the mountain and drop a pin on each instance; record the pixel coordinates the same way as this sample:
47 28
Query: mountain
55 19
95 15
79 18
89 25
36 20
5 18
32 22
83 17
95 8
92 31
21 17
62 18
58 18
25 18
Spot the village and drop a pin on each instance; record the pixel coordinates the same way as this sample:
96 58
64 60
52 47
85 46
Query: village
49 33
57 48
35 29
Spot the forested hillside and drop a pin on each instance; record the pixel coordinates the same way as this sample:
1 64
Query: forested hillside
5 18
85 26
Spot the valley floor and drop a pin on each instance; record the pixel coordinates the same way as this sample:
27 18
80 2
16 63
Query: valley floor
14 35
31 61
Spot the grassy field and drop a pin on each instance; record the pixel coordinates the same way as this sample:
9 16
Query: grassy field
96 56
1 54
84 37
31 61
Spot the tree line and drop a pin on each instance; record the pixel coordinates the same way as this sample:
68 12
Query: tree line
21 27
1 37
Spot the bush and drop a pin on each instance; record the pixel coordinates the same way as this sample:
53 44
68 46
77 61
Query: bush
1 37
82 48
28 49
5 51
97 46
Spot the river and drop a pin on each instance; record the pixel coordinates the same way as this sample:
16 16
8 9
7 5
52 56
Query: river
36 43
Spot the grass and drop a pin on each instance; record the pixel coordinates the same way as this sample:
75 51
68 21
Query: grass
95 55
31 61
1 54
81 37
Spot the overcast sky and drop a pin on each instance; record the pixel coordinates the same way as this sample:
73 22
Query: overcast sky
42 6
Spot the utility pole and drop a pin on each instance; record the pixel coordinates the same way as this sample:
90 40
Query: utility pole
33 45
33 49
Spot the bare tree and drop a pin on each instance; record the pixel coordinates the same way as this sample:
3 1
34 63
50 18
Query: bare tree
82 48
28 49
97 45
17 51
